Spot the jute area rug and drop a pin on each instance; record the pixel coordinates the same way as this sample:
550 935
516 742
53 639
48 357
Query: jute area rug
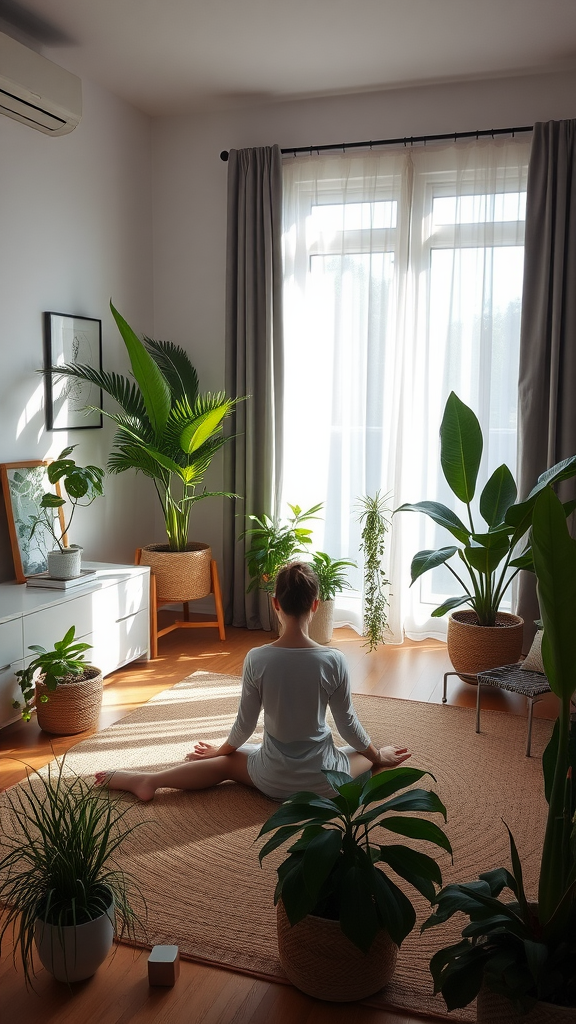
196 859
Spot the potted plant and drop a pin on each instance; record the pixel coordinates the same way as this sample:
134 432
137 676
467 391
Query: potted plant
82 486
274 543
340 916
59 885
67 693
519 957
375 524
171 433
331 573
483 636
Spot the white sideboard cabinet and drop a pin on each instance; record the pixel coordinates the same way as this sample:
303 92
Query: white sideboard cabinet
111 612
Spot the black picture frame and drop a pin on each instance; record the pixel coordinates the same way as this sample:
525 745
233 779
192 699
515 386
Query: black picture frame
68 339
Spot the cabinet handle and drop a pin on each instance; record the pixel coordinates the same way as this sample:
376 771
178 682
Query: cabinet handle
124 617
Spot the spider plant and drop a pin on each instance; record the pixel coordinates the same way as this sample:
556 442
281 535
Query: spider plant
166 429
375 524
61 835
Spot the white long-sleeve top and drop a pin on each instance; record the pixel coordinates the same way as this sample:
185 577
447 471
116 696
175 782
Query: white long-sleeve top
295 685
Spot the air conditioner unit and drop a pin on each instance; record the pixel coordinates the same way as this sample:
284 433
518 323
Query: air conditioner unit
36 91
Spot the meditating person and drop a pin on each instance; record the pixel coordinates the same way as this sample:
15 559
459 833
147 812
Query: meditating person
295 680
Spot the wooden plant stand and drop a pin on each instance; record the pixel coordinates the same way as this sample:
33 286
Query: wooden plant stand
184 623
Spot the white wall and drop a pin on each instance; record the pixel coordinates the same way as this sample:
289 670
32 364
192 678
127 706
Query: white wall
75 230
189 188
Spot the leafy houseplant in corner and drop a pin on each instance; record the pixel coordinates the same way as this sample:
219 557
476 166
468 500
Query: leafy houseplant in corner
58 881
373 517
82 486
331 573
482 637
519 956
340 917
171 433
66 691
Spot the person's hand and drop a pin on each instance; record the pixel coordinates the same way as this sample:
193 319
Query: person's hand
391 757
202 751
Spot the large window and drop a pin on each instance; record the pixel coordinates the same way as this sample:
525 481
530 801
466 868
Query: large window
403 279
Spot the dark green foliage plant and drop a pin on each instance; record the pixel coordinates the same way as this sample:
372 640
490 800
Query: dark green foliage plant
375 524
59 840
521 950
331 573
165 429
332 868
276 542
489 552
81 484
66 659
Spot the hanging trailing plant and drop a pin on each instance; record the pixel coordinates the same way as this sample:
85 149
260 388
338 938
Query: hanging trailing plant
375 525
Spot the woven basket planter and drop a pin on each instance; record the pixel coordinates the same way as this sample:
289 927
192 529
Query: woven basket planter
322 962
322 623
495 1009
180 575
73 706
473 648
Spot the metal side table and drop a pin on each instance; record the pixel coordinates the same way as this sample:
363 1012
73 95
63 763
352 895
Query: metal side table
531 685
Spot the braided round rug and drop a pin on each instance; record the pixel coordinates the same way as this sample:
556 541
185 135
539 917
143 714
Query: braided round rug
197 862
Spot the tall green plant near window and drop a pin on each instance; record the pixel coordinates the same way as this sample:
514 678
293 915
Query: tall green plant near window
375 525
166 429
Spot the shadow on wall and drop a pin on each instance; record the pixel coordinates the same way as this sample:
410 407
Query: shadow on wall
6 563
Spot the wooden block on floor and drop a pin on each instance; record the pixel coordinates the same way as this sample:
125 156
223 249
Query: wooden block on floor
163 965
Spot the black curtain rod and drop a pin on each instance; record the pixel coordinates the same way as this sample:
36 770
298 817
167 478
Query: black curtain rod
406 141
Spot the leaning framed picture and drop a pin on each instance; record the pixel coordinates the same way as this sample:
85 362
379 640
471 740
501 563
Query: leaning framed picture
23 484
72 339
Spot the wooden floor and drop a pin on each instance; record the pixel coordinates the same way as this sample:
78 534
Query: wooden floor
119 992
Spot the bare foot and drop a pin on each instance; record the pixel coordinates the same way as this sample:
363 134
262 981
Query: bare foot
138 783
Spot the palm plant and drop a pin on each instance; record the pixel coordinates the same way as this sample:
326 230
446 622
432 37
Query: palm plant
331 871
166 429
523 951
61 836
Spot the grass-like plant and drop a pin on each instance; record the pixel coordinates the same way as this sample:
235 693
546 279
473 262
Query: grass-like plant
332 869
61 835
375 524
331 573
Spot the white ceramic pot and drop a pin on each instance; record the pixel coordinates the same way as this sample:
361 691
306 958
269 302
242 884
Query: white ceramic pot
65 565
75 952
322 623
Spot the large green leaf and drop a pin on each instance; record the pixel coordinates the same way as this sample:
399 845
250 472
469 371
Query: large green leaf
450 603
196 433
486 559
460 447
498 495
440 514
426 560
383 784
413 800
320 857
395 909
155 391
415 867
561 471
418 828
358 917
176 368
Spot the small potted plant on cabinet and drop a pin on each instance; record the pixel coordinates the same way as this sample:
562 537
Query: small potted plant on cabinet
340 916
331 573
519 957
82 486
483 636
58 882
67 693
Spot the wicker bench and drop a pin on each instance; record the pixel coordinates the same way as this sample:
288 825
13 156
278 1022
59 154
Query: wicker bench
531 685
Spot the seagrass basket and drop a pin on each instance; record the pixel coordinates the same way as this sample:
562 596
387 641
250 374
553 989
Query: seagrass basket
495 1009
322 962
322 623
73 706
180 575
473 648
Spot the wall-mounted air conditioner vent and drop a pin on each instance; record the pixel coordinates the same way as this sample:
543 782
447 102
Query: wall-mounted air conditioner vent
36 91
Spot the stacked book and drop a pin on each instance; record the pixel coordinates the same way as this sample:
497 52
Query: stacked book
43 579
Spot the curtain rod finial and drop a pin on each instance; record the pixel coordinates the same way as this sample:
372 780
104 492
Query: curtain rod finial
224 155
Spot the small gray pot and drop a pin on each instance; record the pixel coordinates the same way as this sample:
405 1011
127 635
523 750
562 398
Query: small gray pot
75 952
65 565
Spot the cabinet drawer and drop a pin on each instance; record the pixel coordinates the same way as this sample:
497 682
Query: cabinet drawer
9 691
11 642
48 625
111 604
126 640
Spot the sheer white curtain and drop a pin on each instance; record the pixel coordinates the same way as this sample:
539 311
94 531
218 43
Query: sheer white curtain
403 276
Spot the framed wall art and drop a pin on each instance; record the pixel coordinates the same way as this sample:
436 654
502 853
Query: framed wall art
23 484
72 339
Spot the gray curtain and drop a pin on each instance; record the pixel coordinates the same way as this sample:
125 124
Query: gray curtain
254 365
547 381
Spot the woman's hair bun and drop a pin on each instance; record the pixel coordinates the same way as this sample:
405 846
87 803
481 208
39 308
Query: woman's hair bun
296 588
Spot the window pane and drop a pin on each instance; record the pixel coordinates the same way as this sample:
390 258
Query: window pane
479 209
331 218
